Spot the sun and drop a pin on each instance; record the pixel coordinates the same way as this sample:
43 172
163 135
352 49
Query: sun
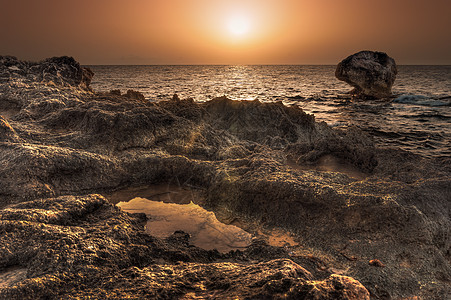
238 25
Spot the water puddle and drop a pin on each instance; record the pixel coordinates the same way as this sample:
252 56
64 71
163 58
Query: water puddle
12 276
205 230
171 208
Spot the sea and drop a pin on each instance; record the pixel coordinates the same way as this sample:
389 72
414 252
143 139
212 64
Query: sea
417 119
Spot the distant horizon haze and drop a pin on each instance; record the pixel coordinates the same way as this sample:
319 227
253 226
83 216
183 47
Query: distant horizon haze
218 32
244 65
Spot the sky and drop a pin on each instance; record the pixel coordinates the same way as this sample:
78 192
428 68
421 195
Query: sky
227 32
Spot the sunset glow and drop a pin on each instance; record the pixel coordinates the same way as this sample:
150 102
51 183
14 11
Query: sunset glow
226 32
238 25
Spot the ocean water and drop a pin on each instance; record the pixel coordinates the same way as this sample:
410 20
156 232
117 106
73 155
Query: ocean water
418 120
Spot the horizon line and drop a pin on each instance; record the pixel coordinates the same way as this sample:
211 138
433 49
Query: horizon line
247 64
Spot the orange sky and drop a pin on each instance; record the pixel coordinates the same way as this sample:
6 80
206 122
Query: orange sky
197 31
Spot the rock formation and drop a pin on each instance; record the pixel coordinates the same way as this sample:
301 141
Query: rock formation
62 144
80 247
372 74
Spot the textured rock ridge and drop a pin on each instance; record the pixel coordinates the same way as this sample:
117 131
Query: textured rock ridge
62 144
61 70
371 73
105 252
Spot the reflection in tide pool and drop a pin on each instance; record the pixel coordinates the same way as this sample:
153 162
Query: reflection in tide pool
205 230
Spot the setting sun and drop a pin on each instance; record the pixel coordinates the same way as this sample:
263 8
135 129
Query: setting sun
238 25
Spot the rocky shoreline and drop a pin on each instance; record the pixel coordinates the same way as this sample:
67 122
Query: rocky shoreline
62 145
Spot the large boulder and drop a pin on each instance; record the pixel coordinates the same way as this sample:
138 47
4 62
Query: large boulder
371 73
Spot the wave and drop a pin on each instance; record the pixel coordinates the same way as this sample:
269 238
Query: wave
423 100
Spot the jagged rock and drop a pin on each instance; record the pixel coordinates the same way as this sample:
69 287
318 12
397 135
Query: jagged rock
71 246
349 289
65 69
130 94
8 61
250 161
115 92
10 64
372 74
7 133
135 95
291 129
59 70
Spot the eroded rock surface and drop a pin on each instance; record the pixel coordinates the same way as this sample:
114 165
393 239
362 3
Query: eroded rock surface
61 144
371 73
80 247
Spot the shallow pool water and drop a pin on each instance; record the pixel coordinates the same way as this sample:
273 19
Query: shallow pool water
205 230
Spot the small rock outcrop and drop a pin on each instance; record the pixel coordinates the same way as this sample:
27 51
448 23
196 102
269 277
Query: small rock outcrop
7 133
371 73
60 70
